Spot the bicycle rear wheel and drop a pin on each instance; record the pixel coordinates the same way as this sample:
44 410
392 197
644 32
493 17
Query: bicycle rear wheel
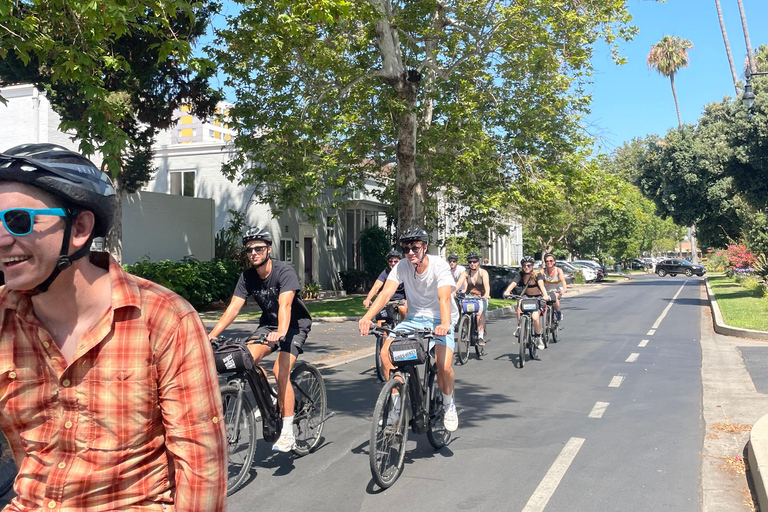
546 322
437 434
377 357
532 348
555 332
462 341
386 451
241 437
311 404
522 338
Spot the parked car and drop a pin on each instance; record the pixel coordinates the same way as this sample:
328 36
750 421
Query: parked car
674 267
601 271
570 270
590 273
638 264
500 277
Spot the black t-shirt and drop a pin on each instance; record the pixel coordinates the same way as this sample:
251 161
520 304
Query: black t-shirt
522 279
266 292
400 292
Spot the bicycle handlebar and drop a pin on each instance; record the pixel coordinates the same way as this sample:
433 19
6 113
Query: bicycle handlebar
425 332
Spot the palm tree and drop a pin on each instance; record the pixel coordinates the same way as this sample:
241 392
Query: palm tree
727 47
667 57
746 37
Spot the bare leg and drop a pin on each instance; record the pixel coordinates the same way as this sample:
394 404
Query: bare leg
282 369
444 361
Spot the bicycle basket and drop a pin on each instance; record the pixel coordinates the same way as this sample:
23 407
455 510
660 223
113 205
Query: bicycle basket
529 304
470 306
407 352
233 358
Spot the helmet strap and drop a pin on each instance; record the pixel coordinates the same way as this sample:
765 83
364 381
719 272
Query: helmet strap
65 261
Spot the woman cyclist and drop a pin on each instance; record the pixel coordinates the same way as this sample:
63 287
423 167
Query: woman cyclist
478 285
393 258
533 286
554 281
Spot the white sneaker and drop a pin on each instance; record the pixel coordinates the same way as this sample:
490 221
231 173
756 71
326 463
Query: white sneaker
257 415
394 415
451 418
285 443
515 333
539 343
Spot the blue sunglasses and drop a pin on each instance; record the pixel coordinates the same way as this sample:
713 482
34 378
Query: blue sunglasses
19 221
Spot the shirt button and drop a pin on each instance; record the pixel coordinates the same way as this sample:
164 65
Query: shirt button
51 504
62 465
12 375
46 344
65 383
215 419
68 424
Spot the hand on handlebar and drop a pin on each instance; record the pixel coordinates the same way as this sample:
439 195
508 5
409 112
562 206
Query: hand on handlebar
364 326
442 330
274 337
367 303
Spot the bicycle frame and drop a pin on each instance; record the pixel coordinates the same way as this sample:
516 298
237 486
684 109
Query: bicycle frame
262 392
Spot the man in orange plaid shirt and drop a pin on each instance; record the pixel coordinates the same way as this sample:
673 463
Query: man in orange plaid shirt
108 392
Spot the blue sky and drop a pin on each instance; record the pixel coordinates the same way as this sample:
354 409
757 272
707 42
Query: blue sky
629 101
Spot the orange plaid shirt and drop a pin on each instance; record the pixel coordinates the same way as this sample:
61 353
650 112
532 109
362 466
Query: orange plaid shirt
132 423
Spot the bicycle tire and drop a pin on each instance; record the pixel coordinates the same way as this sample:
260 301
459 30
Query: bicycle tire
311 405
479 349
532 348
556 331
522 338
7 467
377 357
462 345
547 321
239 454
437 434
386 451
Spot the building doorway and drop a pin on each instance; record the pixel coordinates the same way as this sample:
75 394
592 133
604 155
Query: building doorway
308 258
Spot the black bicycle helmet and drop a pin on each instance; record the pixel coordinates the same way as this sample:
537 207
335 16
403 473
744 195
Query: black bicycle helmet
257 234
473 256
64 174
414 235
453 257
69 177
394 254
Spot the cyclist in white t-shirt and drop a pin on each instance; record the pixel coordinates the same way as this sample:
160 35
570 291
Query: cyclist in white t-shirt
429 286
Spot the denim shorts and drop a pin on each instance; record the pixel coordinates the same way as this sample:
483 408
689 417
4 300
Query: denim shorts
419 322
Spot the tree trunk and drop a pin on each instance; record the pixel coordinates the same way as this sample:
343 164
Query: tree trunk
727 47
750 56
114 240
410 191
694 256
674 94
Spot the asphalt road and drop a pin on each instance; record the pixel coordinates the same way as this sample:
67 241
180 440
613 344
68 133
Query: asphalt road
526 441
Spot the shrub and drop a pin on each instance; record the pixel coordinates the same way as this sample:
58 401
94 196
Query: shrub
355 281
311 290
460 246
739 256
717 261
374 246
578 277
199 282
228 241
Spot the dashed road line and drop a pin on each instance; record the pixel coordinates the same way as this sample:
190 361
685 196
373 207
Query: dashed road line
616 381
643 343
632 357
598 410
548 485
651 332
666 310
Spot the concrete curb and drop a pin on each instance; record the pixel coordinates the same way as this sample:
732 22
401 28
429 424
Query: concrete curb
726 330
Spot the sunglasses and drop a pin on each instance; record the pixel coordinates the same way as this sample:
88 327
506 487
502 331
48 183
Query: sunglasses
527 264
550 261
405 249
393 260
19 221
258 249
473 262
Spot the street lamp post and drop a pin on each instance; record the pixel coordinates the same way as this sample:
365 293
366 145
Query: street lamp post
748 98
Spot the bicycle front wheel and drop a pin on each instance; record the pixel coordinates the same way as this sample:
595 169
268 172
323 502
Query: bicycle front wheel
241 437
555 332
437 434
546 321
389 434
462 342
522 338
377 357
311 404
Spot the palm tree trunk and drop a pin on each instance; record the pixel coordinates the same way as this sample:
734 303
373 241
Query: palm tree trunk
727 47
746 37
674 94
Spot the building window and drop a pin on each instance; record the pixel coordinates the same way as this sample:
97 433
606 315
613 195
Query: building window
186 108
187 119
188 132
330 232
183 183
286 250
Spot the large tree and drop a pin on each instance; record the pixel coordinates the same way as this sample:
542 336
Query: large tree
464 97
667 57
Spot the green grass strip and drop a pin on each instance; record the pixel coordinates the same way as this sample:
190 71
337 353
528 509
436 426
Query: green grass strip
740 306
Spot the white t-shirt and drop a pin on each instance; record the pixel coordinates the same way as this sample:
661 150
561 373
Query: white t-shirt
457 272
421 289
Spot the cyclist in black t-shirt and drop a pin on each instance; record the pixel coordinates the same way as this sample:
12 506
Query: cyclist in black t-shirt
393 258
531 285
285 320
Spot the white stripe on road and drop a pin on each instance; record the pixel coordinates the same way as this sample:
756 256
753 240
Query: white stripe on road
643 343
616 381
666 310
552 479
599 409
632 357
651 332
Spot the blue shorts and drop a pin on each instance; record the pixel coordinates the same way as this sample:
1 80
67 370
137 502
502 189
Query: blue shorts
420 322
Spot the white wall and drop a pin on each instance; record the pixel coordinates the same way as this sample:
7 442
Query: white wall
166 227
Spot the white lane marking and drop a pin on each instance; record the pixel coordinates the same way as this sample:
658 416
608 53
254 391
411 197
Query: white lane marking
651 332
666 310
552 479
632 357
599 409
616 381
643 343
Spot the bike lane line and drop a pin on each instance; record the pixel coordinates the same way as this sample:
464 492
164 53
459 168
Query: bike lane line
548 485
598 410
656 324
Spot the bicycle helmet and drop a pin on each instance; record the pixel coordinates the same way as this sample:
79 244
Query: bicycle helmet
473 256
414 235
257 234
453 257
73 179
394 254
526 259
